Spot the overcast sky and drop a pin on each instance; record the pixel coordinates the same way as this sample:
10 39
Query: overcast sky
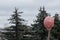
29 7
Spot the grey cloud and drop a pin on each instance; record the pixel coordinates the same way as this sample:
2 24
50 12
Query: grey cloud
29 7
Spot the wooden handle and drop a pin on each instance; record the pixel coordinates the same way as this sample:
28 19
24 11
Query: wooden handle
48 35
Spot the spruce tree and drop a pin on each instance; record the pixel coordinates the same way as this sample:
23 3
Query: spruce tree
56 29
17 29
40 32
